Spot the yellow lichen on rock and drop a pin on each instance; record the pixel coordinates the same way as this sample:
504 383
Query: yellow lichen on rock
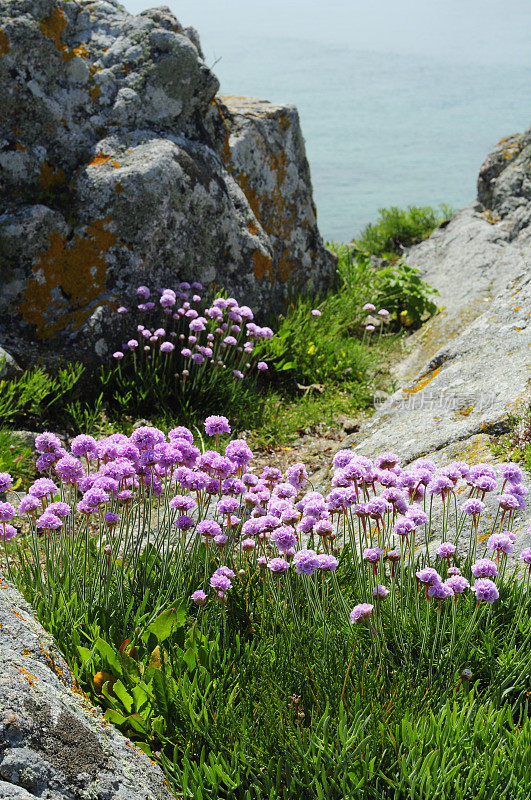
51 176
67 280
4 44
53 26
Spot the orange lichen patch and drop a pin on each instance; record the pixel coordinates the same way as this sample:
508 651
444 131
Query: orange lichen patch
262 265
81 51
465 411
250 193
95 92
118 188
115 165
21 147
99 159
125 67
252 227
4 44
67 279
423 381
285 265
26 651
51 176
53 26
76 688
31 679
285 123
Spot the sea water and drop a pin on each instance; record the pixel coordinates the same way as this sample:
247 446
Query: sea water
383 129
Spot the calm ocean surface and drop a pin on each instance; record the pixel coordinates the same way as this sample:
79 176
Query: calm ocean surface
380 129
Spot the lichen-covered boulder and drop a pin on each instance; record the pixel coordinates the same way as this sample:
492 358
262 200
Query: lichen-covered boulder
53 743
266 155
504 182
119 165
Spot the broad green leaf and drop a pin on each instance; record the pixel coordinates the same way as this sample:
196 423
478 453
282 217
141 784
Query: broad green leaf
167 623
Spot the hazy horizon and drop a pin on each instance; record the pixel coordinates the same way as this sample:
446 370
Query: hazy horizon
399 103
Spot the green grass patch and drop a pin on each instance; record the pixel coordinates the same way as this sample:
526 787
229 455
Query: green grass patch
398 228
516 444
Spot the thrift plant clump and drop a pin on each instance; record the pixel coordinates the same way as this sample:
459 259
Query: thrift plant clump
229 621
183 350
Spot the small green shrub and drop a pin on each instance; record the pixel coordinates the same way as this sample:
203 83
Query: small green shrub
396 228
36 396
402 292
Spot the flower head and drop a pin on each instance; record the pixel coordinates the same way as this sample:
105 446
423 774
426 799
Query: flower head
6 481
208 528
428 575
484 568
43 487
199 597
278 566
473 506
501 542
445 550
327 563
7 532
380 591
49 521
215 425
485 590
441 591
372 554
457 583
361 612
306 562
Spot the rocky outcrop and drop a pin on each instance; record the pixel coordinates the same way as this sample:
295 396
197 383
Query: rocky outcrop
8 365
470 366
119 165
54 744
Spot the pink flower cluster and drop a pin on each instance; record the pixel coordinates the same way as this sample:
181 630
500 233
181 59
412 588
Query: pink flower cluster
184 327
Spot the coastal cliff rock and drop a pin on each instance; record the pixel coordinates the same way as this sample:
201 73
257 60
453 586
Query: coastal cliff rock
119 166
470 366
53 743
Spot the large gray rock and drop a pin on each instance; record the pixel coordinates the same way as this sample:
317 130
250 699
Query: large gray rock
54 745
8 365
470 366
120 166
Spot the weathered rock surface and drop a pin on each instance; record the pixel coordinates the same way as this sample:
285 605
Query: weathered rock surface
470 366
8 365
54 745
119 165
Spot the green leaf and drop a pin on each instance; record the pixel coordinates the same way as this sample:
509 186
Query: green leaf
109 655
85 654
138 723
122 694
145 749
114 717
167 623
160 692
190 659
